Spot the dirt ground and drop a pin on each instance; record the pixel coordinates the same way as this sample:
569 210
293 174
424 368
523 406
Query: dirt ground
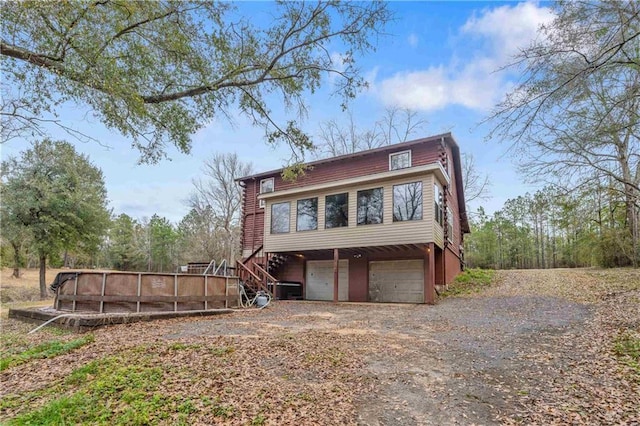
536 348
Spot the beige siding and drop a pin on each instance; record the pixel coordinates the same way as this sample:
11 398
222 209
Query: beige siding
419 231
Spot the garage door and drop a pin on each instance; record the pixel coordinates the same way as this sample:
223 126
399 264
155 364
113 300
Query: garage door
320 280
396 281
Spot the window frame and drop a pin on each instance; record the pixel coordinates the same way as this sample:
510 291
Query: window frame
393 201
437 200
288 203
326 204
381 188
298 214
273 185
393 154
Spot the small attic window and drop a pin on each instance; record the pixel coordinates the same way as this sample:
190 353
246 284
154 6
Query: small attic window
266 185
400 160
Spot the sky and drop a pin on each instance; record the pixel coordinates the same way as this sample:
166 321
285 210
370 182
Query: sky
440 59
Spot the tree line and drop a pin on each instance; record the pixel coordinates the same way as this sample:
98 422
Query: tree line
553 228
55 212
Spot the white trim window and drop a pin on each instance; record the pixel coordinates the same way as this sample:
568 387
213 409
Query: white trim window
280 217
407 201
266 185
400 160
437 203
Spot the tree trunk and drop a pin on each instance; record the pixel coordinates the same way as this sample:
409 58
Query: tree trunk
43 276
17 260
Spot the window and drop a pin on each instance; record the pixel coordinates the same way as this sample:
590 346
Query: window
399 160
437 199
262 204
370 206
336 211
407 202
280 218
266 185
449 225
307 215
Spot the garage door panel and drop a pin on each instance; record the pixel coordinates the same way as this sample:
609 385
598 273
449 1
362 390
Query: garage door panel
400 281
319 280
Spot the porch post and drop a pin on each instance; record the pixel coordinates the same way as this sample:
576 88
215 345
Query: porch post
430 274
336 274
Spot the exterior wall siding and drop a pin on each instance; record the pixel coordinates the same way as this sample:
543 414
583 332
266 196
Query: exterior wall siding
364 165
252 218
387 233
452 266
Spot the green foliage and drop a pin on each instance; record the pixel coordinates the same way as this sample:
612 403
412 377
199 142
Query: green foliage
158 71
125 253
162 244
470 281
49 349
56 197
258 420
627 348
110 391
552 228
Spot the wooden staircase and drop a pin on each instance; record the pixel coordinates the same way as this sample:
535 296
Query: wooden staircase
275 263
255 277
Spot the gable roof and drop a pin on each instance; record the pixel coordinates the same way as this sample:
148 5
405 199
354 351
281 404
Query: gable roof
447 137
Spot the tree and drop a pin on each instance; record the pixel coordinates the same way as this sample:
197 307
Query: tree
14 234
200 238
157 71
58 196
576 112
476 186
218 193
162 244
395 126
124 248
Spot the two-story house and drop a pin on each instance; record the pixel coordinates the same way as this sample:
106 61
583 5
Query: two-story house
383 225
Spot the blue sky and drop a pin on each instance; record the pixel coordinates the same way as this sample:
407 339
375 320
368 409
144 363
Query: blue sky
440 59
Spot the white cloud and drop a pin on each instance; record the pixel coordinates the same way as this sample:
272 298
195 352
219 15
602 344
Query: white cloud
508 29
474 83
412 40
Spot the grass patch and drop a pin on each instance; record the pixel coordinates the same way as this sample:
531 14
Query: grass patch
470 281
627 349
114 390
45 350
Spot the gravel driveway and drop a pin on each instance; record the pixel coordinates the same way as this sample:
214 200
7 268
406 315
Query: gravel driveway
483 359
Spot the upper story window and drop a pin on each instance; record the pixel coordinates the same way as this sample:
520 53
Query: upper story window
437 201
407 202
449 225
370 206
280 216
307 215
266 185
336 211
400 160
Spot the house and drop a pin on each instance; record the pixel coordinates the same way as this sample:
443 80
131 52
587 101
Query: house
384 225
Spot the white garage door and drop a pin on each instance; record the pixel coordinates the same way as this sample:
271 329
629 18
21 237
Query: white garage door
396 281
320 280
